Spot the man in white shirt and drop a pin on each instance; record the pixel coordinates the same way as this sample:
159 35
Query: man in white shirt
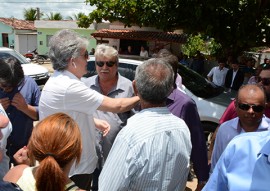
65 92
218 73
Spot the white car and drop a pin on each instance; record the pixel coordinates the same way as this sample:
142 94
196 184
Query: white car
211 100
39 73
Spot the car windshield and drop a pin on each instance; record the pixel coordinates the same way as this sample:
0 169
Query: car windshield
197 84
8 54
194 82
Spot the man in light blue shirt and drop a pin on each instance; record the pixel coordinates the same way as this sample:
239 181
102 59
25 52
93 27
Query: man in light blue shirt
250 105
152 151
244 165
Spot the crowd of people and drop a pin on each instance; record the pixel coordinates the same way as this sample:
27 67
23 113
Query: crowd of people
108 133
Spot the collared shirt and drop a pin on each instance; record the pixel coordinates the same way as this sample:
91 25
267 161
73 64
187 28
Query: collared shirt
150 153
233 76
117 121
22 124
218 75
244 165
64 92
4 163
182 106
227 131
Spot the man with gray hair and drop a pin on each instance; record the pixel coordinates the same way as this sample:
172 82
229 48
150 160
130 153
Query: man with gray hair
65 92
152 151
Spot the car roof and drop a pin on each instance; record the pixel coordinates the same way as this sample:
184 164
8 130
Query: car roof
5 49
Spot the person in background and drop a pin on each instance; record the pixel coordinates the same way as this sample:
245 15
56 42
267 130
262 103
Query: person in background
5 123
181 105
55 143
218 73
152 151
248 69
108 82
250 104
19 96
253 79
143 52
244 164
65 92
6 129
234 77
129 51
92 52
198 63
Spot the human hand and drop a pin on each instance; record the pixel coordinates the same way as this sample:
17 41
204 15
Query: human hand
21 156
18 101
102 125
5 102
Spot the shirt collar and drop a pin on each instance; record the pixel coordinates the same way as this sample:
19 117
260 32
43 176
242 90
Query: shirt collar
120 85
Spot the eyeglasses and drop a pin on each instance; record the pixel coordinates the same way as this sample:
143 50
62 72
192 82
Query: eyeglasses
265 81
246 107
101 63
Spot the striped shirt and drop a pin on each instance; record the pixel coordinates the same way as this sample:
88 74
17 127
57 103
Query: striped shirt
150 153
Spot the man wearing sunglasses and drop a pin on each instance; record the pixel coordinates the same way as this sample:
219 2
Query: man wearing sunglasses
110 83
250 106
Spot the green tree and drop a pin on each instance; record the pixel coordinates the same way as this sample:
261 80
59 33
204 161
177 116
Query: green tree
76 16
54 16
30 14
237 25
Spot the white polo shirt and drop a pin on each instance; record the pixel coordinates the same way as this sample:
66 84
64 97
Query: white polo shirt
218 75
64 92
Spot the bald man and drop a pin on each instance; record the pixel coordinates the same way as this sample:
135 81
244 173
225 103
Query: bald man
250 105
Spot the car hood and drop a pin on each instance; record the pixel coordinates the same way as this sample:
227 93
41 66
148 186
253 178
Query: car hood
33 69
224 99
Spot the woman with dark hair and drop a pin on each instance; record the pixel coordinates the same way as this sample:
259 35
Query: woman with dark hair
55 143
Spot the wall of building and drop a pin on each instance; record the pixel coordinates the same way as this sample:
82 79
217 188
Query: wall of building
7 30
46 29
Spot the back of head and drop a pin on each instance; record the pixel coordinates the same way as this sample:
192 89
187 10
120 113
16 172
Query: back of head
63 46
105 51
172 60
55 142
154 80
163 53
11 72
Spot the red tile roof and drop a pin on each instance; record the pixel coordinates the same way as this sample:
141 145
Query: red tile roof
141 35
18 24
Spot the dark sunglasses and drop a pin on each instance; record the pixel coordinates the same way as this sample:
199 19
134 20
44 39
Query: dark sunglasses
101 63
246 107
265 81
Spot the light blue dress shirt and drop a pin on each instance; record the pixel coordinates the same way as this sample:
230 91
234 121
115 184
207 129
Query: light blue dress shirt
151 153
244 165
227 131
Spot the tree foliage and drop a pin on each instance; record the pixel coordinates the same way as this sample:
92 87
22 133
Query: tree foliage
30 14
54 16
237 25
76 16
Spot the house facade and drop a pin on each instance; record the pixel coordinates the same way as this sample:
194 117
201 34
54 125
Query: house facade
18 34
46 29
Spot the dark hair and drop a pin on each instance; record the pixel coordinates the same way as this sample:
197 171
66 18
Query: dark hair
222 60
11 72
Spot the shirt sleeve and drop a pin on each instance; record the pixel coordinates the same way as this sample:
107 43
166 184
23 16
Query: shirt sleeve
118 168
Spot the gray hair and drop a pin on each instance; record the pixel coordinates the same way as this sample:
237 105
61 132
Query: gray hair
154 80
63 46
106 51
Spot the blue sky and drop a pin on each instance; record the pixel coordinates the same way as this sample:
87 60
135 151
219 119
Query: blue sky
15 8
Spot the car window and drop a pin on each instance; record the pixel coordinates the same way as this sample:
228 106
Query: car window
197 84
13 54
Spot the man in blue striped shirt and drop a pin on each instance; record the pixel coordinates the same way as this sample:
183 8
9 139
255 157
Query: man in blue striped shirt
152 151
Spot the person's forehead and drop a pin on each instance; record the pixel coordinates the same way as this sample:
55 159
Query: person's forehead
265 73
251 96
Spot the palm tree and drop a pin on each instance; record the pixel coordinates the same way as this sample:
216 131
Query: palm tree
30 14
76 16
54 16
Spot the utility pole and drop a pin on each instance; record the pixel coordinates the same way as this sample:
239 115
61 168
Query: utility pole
38 14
